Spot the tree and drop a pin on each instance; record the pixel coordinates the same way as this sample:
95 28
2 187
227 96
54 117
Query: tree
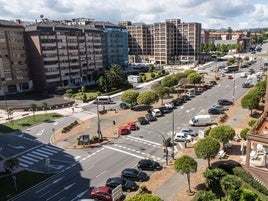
144 197
11 164
213 178
248 195
130 96
230 182
160 90
9 111
207 148
147 98
184 81
223 133
205 196
251 100
195 78
45 106
116 76
33 108
150 68
188 72
169 81
186 165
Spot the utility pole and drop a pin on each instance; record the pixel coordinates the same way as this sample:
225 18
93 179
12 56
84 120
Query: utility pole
173 130
99 128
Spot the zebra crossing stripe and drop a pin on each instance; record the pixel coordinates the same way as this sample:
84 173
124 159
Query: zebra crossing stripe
49 150
44 152
29 158
39 154
35 156
25 161
54 148
23 165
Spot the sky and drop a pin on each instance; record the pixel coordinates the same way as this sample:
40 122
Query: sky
212 14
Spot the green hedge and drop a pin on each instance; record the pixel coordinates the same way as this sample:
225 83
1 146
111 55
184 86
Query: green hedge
247 177
69 127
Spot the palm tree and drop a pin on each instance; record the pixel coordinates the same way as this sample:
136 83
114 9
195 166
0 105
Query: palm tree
186 165
115 76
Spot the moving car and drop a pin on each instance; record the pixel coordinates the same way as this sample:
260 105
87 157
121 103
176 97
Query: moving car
225 102
127 185
150 117
134 174
213 110
147 164
143 121
188 131
101 100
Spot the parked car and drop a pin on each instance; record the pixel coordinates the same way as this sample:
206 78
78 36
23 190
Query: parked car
123 106
219 107
247 84
169 105
213 82
182 137
190 94
127 185
225 102
134 174
214 111
101 193
243 74
143 121
150 117
123 130
156 112
147 164
208 86
132 126
165 110
185 98
230 77
177 102
188 131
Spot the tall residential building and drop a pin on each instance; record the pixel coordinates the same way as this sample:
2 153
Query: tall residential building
115 43
166 42
13 67
63 55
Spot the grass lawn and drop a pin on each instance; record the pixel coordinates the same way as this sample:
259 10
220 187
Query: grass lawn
29 121
24 179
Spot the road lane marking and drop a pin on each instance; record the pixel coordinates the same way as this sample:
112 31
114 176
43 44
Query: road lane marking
137 156
139 139
101 173
40 132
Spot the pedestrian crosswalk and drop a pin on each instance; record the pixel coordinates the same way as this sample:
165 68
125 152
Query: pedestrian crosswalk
37 155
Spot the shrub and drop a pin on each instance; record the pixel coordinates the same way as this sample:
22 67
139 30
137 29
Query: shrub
246 176
69 127
223 117
252 122
244 133
94 139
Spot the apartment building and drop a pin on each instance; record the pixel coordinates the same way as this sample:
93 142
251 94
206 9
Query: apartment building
13 67
166 42
63 55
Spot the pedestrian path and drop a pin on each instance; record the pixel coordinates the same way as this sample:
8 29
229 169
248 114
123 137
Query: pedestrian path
37 155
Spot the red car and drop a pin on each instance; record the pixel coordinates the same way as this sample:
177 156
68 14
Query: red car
230 77
102 193
132 126
123 130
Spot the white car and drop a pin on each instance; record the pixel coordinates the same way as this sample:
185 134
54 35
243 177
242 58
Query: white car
156 113
243 74
181 137
188 131
169 105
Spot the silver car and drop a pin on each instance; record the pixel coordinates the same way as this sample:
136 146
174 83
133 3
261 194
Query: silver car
188 131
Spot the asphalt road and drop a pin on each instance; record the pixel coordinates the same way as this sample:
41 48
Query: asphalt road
80 169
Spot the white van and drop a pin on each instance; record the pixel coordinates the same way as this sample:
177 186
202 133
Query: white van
201 120
103 100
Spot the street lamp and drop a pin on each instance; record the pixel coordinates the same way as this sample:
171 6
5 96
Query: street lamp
99 127
173 130
234 88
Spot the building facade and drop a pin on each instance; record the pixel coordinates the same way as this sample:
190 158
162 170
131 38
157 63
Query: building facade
63 55
13 66
166 42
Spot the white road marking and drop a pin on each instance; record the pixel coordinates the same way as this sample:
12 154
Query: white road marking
139 139
40 132
101 173
137 156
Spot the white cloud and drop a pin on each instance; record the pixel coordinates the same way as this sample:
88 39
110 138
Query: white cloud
211 13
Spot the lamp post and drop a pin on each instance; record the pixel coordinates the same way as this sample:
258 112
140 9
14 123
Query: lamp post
234 88
173 130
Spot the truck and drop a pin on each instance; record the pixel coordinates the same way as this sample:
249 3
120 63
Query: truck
201 120
232 68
